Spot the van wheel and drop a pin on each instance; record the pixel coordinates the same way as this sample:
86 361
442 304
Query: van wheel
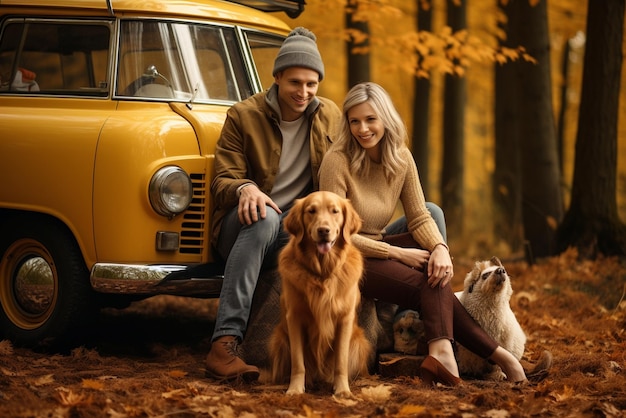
45 294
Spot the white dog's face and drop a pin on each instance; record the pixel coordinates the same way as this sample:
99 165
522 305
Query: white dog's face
489 278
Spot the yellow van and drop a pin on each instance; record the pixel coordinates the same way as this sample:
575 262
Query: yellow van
109 115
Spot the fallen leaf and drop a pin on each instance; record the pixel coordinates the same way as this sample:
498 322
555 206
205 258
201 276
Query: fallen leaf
378 393
174 394
177 374
92 384
69 398
497 413
220 411
610 410
6 348
44 380
10 373
462 406
565 395
111 413
310 413
407 410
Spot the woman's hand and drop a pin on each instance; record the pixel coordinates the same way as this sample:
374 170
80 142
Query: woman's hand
440 269
412 257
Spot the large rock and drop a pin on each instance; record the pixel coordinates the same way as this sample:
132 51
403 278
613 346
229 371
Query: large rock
264 317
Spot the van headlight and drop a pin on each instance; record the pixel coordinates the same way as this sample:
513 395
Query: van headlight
170 191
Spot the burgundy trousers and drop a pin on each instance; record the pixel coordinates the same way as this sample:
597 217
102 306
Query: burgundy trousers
441 312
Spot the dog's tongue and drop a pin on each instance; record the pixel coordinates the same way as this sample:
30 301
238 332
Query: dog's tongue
323 247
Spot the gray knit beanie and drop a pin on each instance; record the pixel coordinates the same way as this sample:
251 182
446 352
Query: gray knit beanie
299 50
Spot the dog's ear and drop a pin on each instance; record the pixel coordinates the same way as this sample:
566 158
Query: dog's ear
351 220
474 275
496 261
294 221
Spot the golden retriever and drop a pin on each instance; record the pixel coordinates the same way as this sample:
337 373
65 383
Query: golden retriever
320 272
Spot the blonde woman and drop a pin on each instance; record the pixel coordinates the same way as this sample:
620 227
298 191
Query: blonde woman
407 263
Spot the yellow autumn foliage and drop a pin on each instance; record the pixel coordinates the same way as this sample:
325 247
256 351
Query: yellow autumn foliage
400 52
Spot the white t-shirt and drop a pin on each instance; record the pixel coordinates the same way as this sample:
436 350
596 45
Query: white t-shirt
294 169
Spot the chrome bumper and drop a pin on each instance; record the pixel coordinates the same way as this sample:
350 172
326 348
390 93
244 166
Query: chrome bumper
138 279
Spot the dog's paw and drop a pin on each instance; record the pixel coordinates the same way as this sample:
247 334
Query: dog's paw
343 394
496 374
295 390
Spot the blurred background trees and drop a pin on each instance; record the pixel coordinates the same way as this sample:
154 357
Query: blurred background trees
490 91
533 125
592 223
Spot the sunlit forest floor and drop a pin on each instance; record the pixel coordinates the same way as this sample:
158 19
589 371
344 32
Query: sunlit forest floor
147 361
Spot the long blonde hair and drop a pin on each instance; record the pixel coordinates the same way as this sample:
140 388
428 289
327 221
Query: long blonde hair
393 139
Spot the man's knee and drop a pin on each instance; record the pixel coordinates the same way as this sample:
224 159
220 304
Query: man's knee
264 231
269 224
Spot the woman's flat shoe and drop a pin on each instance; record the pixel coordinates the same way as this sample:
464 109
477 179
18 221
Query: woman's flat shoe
541 369
433 371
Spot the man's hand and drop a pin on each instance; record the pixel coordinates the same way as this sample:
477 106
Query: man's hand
252 203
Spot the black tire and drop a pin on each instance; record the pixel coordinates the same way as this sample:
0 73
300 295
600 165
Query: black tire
45 295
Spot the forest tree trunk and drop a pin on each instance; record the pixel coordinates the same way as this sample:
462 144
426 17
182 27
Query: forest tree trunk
507 176
592 222
358 62
421 106
542 201
452 178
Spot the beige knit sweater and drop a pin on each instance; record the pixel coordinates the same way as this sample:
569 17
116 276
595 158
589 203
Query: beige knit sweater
375 200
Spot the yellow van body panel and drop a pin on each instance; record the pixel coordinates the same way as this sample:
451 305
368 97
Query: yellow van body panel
132 147
50 162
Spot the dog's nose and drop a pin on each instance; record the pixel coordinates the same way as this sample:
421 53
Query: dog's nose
323 231
500 270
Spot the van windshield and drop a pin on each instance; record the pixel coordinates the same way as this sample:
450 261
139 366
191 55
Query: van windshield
187 61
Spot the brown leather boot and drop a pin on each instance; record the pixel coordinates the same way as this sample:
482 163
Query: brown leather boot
223 361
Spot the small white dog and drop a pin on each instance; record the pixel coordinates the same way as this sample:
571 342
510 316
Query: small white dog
486 295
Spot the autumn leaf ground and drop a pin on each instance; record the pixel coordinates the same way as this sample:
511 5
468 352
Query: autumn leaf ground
147 361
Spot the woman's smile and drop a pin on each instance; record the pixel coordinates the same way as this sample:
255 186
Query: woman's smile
367 128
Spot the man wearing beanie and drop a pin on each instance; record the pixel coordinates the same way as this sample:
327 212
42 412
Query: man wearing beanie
268 155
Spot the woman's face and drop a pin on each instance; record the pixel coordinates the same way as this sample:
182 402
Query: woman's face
367 128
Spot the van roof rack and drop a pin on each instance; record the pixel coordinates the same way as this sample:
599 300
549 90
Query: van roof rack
293 8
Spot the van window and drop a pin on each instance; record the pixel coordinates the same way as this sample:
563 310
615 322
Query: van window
180 61
55 57
264 49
